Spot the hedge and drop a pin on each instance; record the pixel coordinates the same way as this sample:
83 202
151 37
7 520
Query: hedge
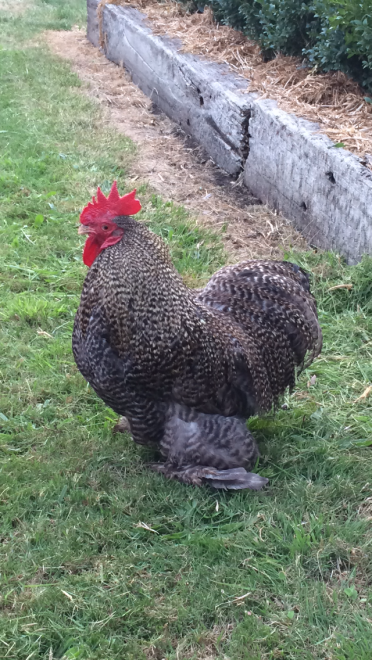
329 34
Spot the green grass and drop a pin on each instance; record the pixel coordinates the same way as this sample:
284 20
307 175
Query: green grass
281 574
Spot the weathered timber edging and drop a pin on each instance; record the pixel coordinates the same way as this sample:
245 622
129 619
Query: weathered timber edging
196 94
287 163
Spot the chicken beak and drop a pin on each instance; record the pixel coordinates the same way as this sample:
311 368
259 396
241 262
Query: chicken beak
83 229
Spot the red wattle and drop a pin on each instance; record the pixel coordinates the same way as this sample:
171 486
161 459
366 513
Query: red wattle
91 250
93 247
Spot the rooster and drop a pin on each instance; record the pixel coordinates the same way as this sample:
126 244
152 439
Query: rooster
186 368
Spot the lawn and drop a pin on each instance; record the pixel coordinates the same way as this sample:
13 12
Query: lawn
100 559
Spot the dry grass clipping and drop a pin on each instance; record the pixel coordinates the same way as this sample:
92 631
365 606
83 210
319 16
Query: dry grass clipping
14 7
333 100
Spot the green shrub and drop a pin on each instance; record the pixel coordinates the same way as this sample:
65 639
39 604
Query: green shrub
331 34
344 41
278 25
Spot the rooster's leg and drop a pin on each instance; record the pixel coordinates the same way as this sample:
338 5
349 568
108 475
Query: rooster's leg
208 449
144 420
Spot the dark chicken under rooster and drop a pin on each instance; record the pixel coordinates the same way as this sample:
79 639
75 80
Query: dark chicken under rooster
188 367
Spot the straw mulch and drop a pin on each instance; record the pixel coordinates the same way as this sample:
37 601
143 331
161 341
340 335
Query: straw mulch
333 100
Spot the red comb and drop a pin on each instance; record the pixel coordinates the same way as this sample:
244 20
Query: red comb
107 208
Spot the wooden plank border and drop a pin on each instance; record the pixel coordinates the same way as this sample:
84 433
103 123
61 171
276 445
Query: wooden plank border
288 164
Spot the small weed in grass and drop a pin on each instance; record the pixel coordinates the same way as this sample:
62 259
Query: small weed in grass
101 559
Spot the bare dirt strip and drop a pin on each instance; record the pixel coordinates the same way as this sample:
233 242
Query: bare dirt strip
170 162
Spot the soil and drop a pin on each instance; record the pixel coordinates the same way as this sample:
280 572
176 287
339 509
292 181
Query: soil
171 163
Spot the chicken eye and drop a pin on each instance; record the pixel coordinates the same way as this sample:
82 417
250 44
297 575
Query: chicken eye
105 227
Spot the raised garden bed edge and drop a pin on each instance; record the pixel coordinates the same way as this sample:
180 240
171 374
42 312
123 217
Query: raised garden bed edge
325 191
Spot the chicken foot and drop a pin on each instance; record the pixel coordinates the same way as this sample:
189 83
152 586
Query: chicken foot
122 426
199 475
